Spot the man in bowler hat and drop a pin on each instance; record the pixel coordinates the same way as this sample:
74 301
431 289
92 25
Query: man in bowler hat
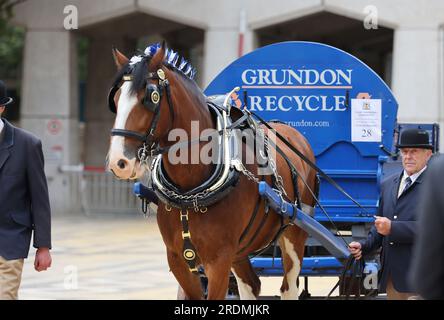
396 223
24 203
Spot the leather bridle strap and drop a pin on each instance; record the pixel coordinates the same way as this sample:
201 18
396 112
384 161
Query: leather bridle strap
128 134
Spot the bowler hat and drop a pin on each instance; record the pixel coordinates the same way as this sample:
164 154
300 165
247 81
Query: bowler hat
4 99
414 138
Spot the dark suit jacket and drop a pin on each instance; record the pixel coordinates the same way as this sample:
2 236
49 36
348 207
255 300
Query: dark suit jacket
428 262
397 247
24 201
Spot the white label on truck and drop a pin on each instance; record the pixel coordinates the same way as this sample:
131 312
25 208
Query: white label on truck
366 120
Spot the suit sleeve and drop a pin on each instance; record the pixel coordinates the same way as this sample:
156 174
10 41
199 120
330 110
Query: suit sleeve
403 231
427 273
374 239
38 188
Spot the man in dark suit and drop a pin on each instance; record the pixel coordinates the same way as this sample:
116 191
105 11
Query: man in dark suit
427 272
396 224
24 203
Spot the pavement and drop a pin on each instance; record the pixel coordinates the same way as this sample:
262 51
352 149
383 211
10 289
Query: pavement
104 257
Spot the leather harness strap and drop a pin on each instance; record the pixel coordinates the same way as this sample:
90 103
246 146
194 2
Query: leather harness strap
188 251
250 224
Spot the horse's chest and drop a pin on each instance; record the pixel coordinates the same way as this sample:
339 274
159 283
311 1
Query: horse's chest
204 229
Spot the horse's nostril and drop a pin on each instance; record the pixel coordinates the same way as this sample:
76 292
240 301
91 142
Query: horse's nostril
121 164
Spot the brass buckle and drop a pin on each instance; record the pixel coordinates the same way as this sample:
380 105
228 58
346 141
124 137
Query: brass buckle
161 74
183 215
186 235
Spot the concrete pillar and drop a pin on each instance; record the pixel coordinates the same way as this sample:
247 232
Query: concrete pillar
99 120
250 41
220 49
49 104
416 76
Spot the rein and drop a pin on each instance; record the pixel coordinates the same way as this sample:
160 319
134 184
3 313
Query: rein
308 161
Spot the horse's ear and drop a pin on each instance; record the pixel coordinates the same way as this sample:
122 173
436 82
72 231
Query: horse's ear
156 61
119 58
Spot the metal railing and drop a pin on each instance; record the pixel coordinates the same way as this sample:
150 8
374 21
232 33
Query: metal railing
96 191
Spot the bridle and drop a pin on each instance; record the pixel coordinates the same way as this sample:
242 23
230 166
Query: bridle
151 101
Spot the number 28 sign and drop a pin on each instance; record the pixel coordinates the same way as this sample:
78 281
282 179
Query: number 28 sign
366 120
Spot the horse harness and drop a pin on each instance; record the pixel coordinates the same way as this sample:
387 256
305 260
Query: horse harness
223 179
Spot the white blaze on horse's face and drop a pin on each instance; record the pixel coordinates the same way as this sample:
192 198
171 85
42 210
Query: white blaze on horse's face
118 162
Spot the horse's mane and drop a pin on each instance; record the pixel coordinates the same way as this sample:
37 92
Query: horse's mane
138 68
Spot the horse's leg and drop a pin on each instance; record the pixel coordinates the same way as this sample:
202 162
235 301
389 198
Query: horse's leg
248 282
189 282
218 274
292 245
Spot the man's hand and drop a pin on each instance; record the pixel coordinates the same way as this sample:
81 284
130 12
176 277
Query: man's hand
355 249
42 259
383 225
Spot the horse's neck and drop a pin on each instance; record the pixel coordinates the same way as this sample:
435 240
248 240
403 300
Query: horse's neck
190 175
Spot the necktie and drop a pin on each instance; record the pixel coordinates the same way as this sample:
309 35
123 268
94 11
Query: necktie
408 183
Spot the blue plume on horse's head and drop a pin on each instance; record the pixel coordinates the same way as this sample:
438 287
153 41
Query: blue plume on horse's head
171 59
152 49
151 57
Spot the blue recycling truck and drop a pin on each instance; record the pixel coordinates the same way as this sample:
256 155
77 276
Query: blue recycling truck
349 116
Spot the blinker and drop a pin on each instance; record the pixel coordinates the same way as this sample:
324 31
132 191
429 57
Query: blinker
111 103
152 97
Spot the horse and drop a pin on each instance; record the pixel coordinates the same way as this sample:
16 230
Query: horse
153 94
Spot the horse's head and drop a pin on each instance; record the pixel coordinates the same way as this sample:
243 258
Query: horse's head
141 99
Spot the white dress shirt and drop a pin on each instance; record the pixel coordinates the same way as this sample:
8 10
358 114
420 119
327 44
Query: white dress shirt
413 177
1 125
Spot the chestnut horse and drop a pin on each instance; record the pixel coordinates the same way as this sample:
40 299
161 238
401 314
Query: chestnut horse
216 233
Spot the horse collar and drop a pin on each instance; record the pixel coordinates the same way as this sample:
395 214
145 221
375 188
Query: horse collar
220 183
